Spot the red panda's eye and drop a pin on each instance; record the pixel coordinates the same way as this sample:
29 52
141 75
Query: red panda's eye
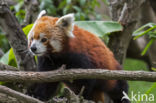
43 39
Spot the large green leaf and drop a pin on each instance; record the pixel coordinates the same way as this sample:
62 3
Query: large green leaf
100 28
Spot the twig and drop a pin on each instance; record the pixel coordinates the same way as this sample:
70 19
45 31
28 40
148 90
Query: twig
1 53
18 95
73 98
16 38
53 76
81 91
124 15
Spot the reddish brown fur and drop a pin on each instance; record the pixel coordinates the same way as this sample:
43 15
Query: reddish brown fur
84 42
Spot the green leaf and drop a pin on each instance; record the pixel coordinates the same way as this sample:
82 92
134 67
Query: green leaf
82 2
9 58
27 29
12 59
147 46
78 9
100 28
152 34
141 31
18 6
154 69
68 2
5 58
62 4
152 88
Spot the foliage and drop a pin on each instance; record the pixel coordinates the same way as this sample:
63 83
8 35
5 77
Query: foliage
101 28
5 58
83 9
18 10
4 45
96 27
147 29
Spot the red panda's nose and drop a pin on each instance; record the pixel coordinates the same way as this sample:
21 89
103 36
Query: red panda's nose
33 48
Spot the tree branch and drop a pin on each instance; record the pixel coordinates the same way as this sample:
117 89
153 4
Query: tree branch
16 38
7 99
7 67
53 76
1 53
18 95
32 8
127 13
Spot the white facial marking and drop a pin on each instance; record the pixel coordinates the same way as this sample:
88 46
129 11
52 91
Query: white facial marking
41 48
56 45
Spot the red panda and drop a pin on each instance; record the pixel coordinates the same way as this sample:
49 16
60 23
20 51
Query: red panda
58 41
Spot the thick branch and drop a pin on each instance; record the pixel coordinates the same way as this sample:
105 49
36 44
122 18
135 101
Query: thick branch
127 13
16 38
53 76
18 95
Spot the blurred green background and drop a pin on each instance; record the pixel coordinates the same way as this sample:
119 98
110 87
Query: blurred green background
139 86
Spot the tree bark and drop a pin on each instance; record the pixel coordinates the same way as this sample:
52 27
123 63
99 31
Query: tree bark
31 8
7 67
16 38
7 99
18 95
126 12
54 76
153 4
136 46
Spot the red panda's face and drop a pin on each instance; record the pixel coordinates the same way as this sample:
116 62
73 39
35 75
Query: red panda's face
50 34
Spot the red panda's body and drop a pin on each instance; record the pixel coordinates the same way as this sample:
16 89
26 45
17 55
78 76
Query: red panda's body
59 41
83 42
92 46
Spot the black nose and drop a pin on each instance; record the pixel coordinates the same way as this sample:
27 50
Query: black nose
33 48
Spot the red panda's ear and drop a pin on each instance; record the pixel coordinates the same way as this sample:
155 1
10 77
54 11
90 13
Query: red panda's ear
67 22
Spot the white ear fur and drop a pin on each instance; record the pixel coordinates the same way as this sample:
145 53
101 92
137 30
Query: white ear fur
67 22
43 12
